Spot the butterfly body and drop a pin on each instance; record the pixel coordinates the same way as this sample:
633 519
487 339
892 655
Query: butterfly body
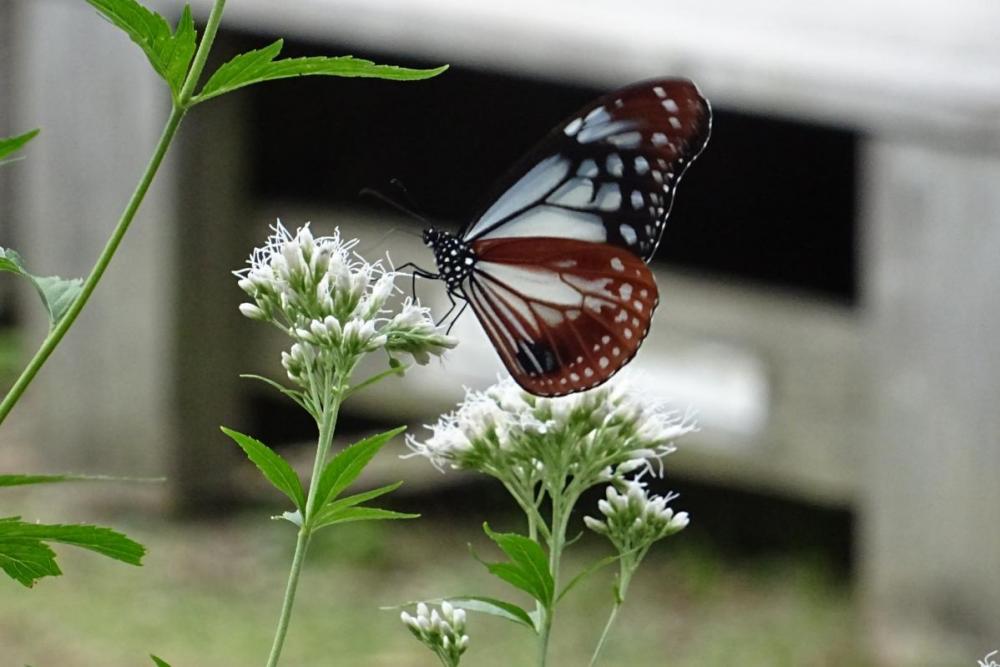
555 266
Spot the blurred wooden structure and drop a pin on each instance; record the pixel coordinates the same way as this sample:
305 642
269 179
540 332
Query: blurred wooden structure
890 409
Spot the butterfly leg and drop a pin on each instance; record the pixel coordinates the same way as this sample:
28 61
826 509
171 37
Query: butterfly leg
455 319
450 310
417 273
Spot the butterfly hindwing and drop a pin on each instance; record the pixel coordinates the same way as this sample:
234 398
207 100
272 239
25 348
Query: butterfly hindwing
565 315
608 173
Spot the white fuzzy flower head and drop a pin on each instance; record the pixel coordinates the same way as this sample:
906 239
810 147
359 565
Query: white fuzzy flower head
633 519
442 632
333 303
594 436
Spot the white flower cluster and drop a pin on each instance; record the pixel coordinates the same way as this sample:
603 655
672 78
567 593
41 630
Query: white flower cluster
332 302
443 633
634 519
598 435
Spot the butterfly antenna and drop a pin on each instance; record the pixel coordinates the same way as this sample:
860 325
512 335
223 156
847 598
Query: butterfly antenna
385 199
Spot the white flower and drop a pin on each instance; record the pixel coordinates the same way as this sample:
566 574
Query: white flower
601 435
443 633
326 296
634 519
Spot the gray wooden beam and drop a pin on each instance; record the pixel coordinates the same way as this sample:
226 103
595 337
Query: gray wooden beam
98 403
930 497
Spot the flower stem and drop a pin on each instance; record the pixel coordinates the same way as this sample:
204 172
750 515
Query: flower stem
604 634
180 106
328 425
624 577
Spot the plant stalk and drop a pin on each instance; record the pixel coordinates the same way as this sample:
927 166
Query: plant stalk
624 577
326 429
177 112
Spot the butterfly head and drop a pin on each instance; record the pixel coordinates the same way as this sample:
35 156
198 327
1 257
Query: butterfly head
454 257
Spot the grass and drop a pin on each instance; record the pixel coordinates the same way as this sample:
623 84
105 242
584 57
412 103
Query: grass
210 591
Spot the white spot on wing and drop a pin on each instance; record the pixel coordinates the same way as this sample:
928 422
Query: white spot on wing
628 233
597 115
614 165
573 127
636 199
575 192
670 105
641 165
626 140
609 198
592 133
587 168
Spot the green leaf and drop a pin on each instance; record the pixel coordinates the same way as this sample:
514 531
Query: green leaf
179 51
57 294
98 539
10 145
160 662
27 560
494 607
25 556
358 498
260 65
169 52
345 467
275 469
327 517
528 569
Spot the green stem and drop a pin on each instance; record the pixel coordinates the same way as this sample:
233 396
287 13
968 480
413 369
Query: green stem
395 370
624 577
55 336
604 634
326 429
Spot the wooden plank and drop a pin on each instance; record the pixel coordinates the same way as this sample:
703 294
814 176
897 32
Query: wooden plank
98 403
930 550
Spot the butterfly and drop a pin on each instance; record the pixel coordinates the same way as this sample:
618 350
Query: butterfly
554 266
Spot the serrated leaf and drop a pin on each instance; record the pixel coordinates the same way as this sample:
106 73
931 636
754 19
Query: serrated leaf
275 469
27 560
326 517
177 54
494 607
57 294
98 539
13 144
260 65
169 52
528 569
358 498
345 467
160 662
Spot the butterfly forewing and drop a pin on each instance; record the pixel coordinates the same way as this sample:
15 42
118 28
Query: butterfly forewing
608 173
565 315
